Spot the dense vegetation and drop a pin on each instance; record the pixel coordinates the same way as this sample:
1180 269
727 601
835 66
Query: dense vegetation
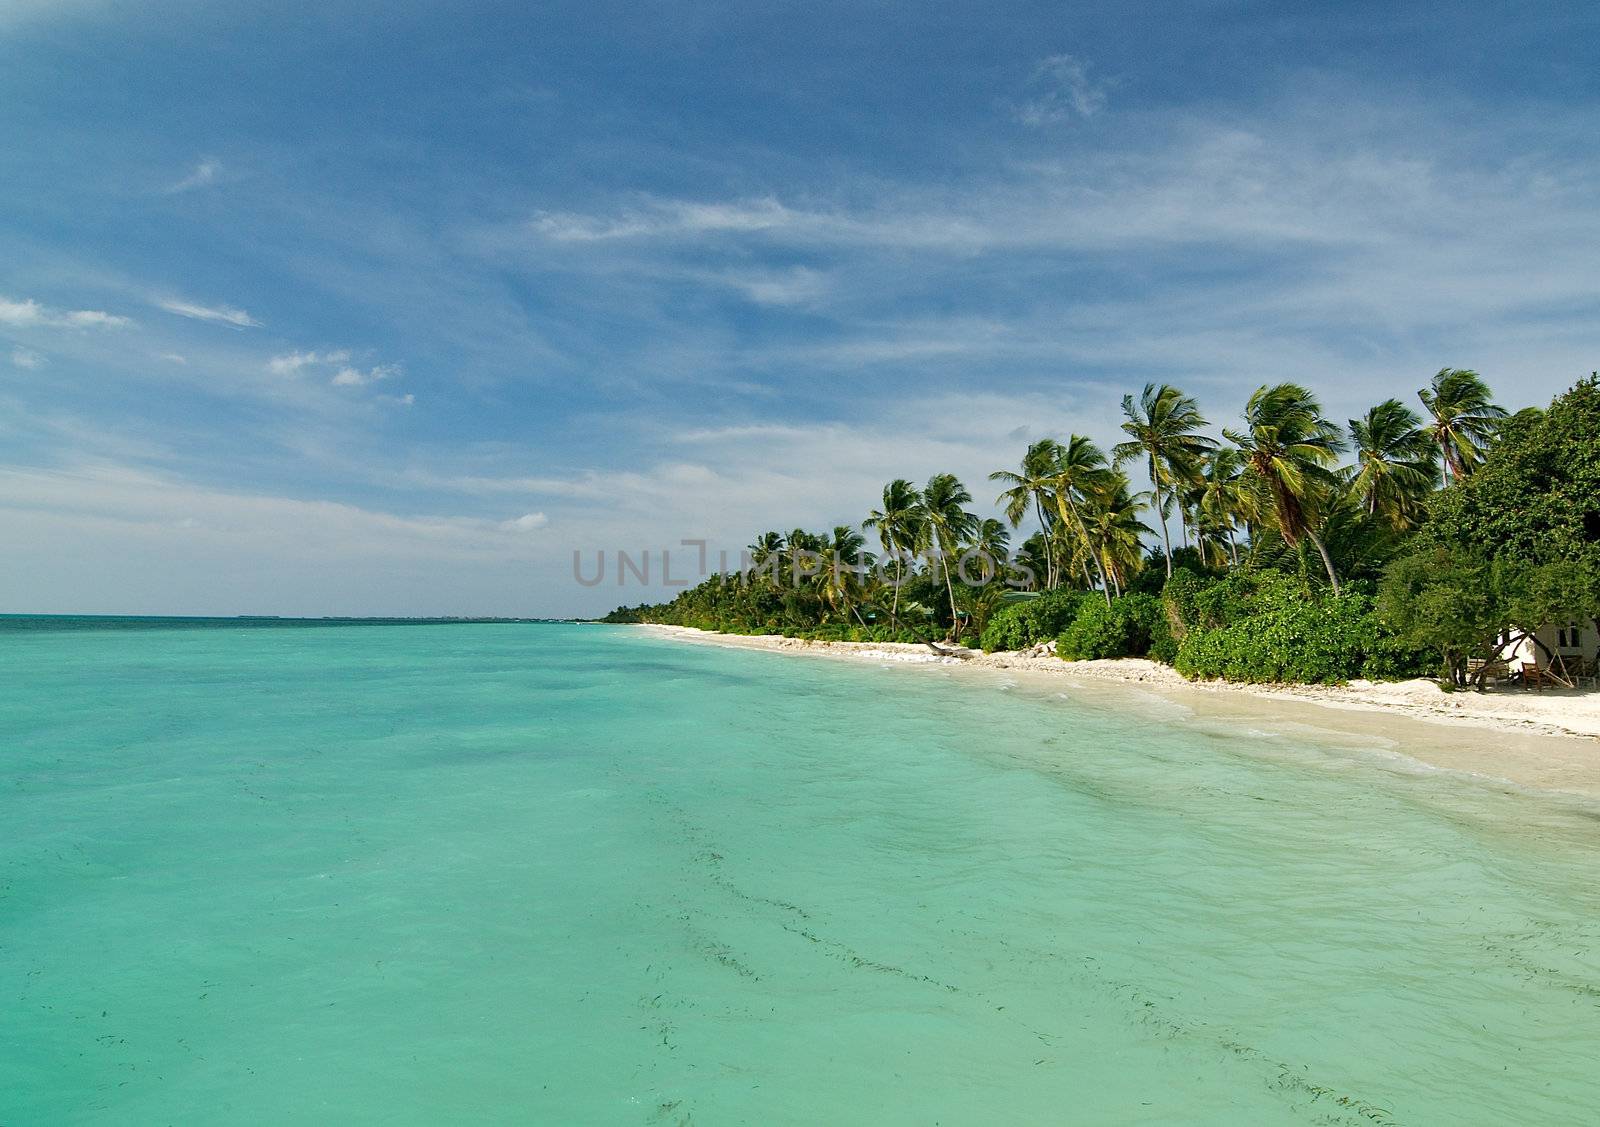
1516 542
1443 531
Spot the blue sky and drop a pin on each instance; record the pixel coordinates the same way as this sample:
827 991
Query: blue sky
386 308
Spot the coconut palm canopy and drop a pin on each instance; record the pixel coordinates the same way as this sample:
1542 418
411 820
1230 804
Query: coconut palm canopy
1396 463
1165 429
1463 418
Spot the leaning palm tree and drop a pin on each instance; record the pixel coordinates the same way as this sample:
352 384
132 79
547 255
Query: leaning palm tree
949 524
1164 429
1111 517
1465 418
1290 449
1080 472
1031 486
900 524
1397 465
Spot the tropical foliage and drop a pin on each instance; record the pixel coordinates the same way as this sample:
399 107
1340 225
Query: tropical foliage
1515 543
1398 544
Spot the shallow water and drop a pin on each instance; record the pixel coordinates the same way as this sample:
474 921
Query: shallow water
547 874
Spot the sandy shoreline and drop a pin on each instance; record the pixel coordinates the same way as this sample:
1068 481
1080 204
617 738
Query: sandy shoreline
1548 740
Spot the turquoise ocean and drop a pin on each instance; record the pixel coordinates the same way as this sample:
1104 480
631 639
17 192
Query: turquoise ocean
546 874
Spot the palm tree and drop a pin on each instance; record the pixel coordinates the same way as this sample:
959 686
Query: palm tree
765 547
1396 464
1035 556
1080 472
900 524
1290 449
949 524
798 545
1464 418
838 576
1031 485
990 544
1111 517
1220 500
1163 429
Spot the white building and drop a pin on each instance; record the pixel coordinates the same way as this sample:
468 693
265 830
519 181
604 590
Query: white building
1566 641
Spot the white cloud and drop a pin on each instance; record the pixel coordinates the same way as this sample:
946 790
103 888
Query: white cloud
204 175
1060 90
339 370
797 286
173 358
356 377
94 319
23 358
656 218
221 313
290 363
528 522
27 314
22 314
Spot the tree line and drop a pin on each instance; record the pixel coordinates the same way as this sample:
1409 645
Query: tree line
1283 494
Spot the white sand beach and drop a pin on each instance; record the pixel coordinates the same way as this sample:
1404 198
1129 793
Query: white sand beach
1549 740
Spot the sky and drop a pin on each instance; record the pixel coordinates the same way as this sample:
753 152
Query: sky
389 308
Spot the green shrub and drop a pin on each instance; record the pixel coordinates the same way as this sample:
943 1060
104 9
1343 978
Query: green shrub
1132 626
1180 594
1007 629
1032 622
1290 637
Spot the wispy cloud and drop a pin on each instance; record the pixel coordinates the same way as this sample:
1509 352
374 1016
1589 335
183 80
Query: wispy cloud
203 175
221 314
655 218
361 377
23 358
799 285
28 314
1061 90
292 362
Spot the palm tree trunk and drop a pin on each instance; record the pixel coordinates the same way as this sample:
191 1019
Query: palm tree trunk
1049 550
955 627
1083 535
899 580
1161 516
1326 562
